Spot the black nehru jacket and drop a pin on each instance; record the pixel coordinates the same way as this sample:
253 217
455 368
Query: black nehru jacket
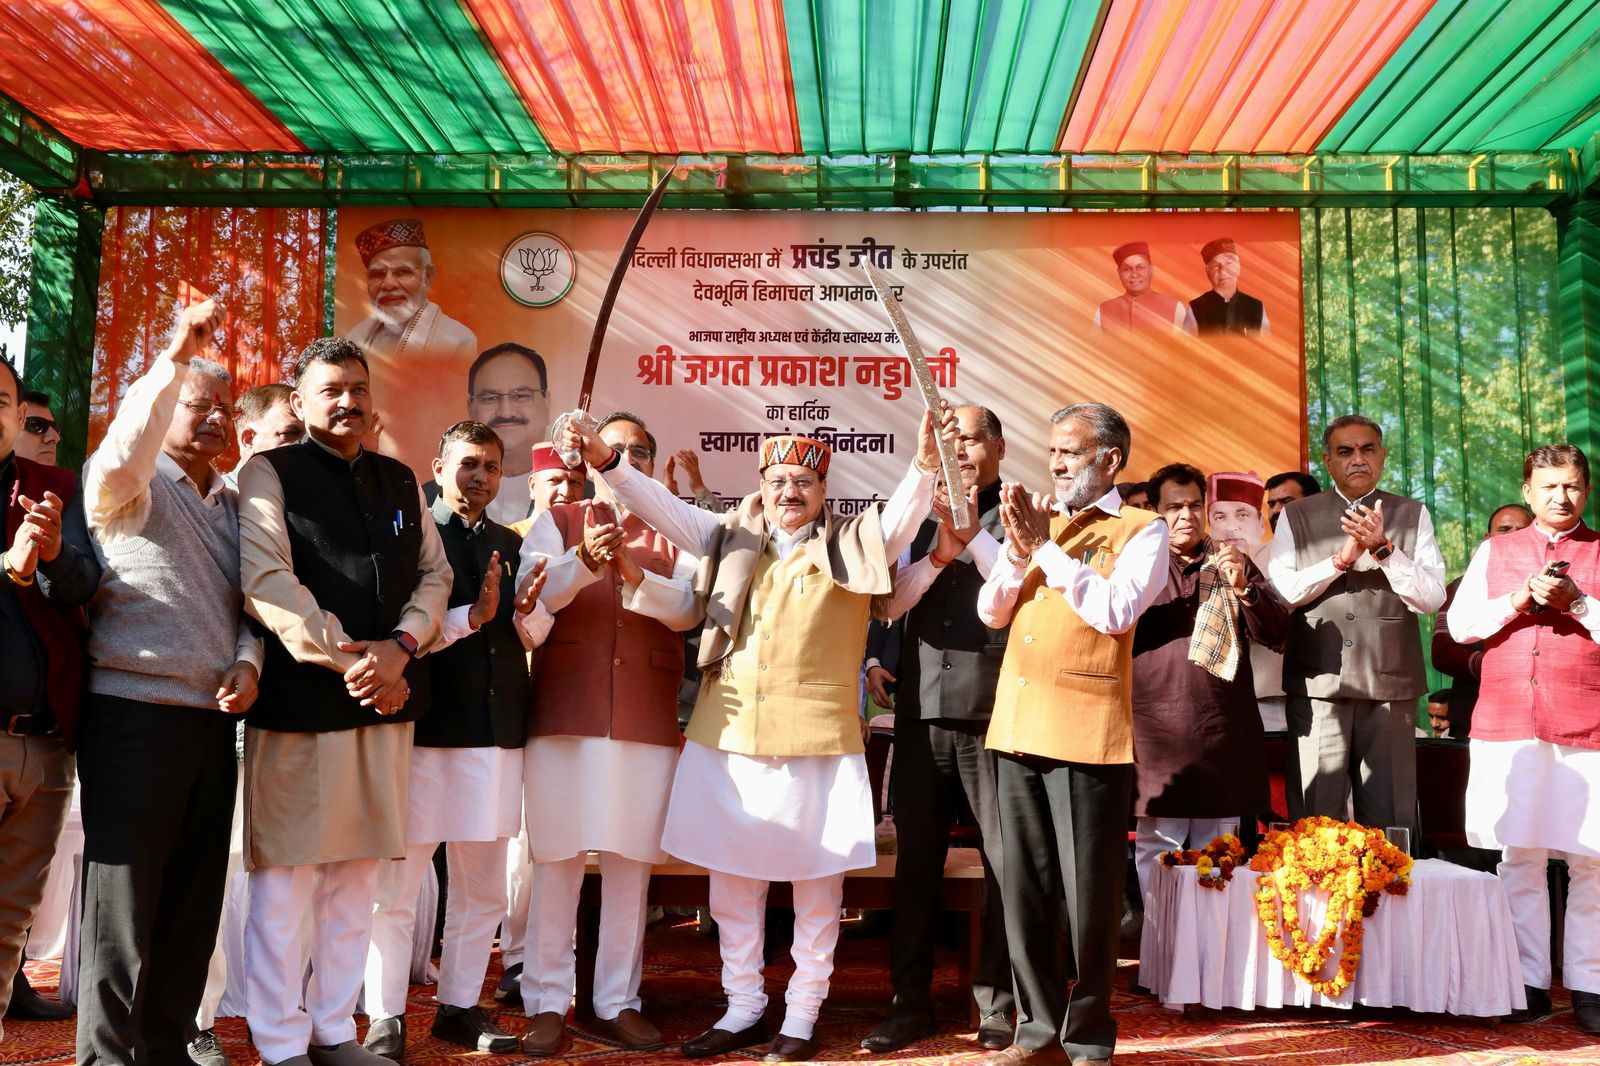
347 550
949 660
1213 314
481 691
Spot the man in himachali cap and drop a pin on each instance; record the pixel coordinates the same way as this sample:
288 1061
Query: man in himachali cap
1140 308
1225 309
417 355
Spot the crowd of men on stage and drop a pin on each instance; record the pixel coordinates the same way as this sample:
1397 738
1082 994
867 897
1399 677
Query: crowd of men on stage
1054 663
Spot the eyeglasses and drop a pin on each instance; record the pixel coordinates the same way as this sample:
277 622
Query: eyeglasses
639 453
520 397
800 484
205 408
38 425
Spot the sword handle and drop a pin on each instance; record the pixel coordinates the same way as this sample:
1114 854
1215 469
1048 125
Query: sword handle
572 457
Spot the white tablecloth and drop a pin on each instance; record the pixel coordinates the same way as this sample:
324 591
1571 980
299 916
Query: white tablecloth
1447 947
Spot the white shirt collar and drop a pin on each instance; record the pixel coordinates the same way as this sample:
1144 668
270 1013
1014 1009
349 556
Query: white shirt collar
167 465
1110 503
785 543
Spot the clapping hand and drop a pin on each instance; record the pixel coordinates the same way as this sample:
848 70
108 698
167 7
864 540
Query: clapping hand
1364 525
528 591
38 538
488 602
1026 521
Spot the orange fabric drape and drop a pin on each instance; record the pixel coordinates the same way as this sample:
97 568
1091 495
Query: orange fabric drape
263 265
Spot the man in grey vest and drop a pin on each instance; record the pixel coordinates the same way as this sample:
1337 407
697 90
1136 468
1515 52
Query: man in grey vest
173 662
945 675
1357 565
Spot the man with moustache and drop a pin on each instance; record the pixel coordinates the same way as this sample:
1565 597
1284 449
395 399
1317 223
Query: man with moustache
1225 309
406 338
40 431
1283 489
1140 308
1355 564
1195 723
1463 662
466 764
1074 578
343 566
604 725
48 577
772 782
173 660
1536 727
508 391
946 671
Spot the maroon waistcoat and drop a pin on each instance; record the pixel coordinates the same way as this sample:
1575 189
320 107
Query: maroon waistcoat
605 671
1541 673
60 629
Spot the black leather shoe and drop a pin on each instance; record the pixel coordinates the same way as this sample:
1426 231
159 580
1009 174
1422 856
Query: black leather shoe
1586 1008
995 1031
387 1037
472 1028
898 1031
790 1049
508 990
29 1006
720 1041
1538 1006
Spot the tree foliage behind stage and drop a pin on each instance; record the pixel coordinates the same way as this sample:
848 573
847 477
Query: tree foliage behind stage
1441 324
16 247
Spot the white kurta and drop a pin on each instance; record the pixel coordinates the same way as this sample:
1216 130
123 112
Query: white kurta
775 818
464 794
596 794
1533 794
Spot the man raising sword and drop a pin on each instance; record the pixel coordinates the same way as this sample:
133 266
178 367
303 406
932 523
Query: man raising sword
772 783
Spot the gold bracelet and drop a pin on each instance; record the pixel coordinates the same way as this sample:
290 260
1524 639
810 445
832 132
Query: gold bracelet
16 578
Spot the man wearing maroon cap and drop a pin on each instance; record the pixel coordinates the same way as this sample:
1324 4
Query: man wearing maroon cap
406 334
1225 309
1195 723
772 782
1140 308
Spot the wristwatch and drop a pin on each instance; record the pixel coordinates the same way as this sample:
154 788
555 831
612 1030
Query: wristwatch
1383 551
407 642
1578 607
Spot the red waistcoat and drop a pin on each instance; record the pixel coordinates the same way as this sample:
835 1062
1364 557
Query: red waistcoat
1541 673
605 671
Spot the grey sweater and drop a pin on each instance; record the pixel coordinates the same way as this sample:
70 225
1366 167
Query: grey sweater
164 624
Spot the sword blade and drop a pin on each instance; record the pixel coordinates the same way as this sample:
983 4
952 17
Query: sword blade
603 319
929 388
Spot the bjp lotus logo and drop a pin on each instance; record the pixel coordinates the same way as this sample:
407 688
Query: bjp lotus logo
537 269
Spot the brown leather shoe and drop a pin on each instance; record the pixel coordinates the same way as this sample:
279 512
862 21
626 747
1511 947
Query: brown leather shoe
545 1035
790 1049
1018 1056
719 1041
630 1029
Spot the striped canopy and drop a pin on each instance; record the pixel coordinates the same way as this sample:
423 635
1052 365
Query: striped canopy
827 77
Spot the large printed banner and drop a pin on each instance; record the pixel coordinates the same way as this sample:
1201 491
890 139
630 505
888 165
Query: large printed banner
732 326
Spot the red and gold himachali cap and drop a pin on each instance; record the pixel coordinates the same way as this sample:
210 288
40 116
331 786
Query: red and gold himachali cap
545 457
1212 249
1231 486
796 451
395 233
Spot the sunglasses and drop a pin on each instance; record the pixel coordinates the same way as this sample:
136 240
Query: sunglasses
38 425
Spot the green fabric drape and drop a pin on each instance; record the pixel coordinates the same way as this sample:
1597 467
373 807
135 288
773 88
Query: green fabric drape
65 275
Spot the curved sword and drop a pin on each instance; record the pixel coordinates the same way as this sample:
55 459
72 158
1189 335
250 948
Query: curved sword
603 319
930 391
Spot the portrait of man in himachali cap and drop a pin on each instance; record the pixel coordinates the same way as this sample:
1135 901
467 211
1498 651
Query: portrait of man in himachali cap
1140 308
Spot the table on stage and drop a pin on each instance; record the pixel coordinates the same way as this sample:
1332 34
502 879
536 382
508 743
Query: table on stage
1446 947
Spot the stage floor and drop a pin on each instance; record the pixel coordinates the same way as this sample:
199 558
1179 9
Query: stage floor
682 993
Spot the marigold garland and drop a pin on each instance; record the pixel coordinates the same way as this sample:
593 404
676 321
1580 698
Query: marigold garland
1350 862
1213 863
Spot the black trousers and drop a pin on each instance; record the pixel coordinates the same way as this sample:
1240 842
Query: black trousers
1065 827
158 792
934 766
